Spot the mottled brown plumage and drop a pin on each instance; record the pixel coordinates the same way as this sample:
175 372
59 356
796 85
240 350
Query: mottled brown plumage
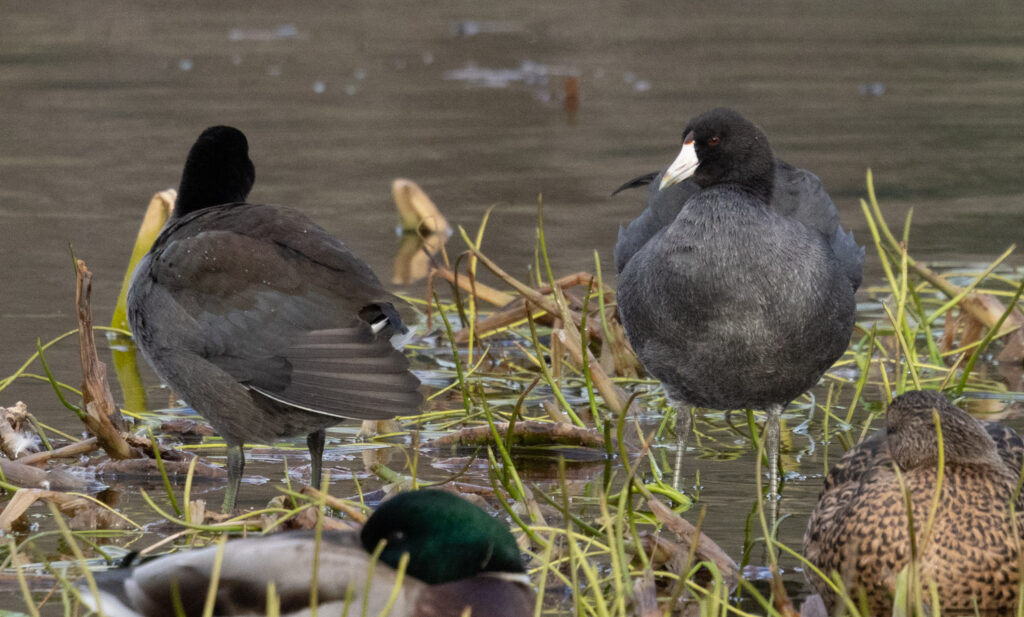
860 528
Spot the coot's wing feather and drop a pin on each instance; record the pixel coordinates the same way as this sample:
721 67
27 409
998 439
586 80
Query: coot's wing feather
800 194
283 233
344 372
849 254
295 327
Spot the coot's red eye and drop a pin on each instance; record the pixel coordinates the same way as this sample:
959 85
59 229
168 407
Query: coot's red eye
714 141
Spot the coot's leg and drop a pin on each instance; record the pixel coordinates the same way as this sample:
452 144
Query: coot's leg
236 465
772 437
684 424
315 441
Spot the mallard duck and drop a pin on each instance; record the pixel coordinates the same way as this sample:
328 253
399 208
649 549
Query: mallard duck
263 322
736 285
860 527
459 558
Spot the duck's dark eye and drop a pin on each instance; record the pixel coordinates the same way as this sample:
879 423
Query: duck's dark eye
714 141
395 537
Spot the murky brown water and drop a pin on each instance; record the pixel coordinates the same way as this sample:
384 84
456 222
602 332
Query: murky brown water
101 102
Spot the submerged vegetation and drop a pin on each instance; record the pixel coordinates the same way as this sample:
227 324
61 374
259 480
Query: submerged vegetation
521 374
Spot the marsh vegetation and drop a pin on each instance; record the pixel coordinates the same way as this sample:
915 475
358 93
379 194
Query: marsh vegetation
538 409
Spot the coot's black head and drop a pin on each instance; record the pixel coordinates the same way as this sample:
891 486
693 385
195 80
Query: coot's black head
217 171
721 146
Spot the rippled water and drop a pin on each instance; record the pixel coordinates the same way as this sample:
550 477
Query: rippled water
100 103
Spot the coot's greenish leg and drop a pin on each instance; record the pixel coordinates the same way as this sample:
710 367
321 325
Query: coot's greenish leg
316 441
236 465
772 436
684 424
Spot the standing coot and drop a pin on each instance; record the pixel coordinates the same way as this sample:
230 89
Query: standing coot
860 527
736 285
263 322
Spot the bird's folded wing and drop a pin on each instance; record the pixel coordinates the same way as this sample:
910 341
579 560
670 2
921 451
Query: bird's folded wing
344 372
287 327
247 568
1008 443
801 195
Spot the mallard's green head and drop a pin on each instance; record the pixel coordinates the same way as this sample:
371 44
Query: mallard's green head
447 537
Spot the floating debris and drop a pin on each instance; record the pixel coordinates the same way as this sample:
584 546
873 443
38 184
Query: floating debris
529 73
284 31
17 436
639 85
424 232
418 212
470 27
572 95
872 88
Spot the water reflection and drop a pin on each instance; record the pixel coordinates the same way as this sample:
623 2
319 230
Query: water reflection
424 232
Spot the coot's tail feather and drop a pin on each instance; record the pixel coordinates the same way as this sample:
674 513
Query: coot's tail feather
637 182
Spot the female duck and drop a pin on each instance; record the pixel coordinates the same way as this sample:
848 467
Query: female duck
860 527
459 558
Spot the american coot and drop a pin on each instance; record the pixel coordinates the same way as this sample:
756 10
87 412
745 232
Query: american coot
736 285
459 558
860 527
262 321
